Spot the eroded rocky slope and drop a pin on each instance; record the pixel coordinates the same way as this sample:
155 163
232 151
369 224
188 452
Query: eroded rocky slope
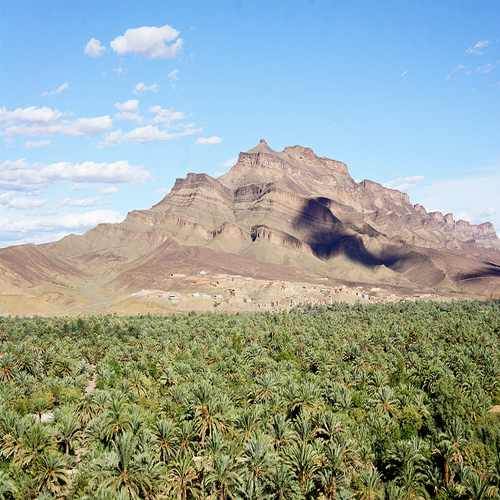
286 214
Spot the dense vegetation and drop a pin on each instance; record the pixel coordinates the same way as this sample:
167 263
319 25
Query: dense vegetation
340 402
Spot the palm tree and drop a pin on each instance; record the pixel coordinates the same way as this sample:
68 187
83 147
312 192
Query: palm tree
405 454
257 458
7 486
450 448
329 425
222 475
181 478
39 405
122 468
386 400
479 487
304 460
165 438
87 408
281 430
304 429
34 441
369 484
283 484
8 369
266 385
411 484
51 472
115 418
337 463
201 397
67 429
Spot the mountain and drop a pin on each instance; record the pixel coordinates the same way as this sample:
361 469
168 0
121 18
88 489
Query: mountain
289 216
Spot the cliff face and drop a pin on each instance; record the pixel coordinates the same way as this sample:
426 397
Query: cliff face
288 208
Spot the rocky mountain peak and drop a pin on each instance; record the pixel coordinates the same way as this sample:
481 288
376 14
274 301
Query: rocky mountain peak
287 213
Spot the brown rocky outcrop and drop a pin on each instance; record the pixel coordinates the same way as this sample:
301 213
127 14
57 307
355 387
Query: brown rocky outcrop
292 210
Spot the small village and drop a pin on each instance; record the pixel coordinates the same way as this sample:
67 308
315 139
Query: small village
235 292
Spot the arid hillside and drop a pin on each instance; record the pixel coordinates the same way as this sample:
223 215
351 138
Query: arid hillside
280 217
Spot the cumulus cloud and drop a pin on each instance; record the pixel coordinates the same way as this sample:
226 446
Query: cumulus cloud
129 110
149 41
47 228
32 114
37 144
94 48
86 202
209 141
478 48
173 75
20 203
143 135
404 183
20 175
229 163
164 115
130 105
76 128
458 72
59 89
109 190
140 88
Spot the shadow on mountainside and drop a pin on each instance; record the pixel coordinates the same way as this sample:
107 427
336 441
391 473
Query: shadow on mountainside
328 236
487 270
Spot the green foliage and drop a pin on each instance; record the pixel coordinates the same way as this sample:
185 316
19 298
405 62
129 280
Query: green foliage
381 401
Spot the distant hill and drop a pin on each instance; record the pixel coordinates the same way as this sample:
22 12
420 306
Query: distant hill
287 215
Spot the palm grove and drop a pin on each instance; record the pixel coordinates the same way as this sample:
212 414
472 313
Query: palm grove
340 402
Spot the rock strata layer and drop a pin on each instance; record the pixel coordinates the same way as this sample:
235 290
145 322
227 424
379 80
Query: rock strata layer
292 210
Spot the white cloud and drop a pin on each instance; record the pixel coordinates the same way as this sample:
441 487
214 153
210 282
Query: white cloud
45 229
89 219
36 144
164 115
404 183
143 135
129 111
8 142
76 128
487 68
20 175
86 202
109 190
229 163
458 72
149 41
94 48
477 49
486 214
21 203
140 88
31 114
130 105
209 141
59 89
173 75
404 73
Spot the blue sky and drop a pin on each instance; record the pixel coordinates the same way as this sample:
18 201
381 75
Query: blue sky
103 104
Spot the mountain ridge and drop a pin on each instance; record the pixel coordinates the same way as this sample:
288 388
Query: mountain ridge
296 211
